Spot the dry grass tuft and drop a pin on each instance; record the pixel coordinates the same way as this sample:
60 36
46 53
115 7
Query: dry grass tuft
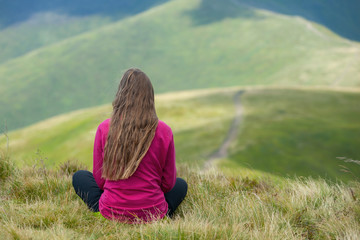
71 166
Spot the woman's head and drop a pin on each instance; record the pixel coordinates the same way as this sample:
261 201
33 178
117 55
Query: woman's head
132 126
135 91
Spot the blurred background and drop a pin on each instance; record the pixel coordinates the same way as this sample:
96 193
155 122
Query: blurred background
297 64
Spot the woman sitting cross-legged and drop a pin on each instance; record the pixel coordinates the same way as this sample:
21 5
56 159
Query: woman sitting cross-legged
134 173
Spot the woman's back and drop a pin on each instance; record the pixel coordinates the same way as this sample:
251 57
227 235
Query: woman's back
142 194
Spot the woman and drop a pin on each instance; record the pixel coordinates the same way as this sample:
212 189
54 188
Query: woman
134 172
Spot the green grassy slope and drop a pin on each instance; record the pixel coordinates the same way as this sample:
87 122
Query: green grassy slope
41 30
181 45
199 121
298 132
285 132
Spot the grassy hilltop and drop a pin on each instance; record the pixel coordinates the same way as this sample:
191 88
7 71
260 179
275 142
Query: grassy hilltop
181 44
38 203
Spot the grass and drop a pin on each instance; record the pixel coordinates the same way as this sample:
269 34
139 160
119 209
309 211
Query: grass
6 166
298 132
180 45
39 203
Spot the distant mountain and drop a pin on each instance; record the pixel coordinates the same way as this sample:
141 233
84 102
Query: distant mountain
180 44
28 25
13 12
341 17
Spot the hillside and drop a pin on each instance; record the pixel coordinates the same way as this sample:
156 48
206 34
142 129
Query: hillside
180 45
199 121
25 26
285 132
298 132
288 131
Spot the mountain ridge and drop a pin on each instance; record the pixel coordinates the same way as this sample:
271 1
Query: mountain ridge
61 77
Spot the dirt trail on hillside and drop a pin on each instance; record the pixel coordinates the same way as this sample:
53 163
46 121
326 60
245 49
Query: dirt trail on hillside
222 152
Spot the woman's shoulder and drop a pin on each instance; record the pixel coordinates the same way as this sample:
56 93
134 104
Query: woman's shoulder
164 128
104 125
163 125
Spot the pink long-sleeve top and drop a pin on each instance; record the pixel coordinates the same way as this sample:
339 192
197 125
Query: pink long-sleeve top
141 196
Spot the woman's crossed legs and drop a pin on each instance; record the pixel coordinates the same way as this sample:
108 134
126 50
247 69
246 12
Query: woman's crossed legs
87 189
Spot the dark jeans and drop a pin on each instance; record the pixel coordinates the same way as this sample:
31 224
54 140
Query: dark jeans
88 190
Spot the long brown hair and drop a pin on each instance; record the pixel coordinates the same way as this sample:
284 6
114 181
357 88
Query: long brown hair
132 126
